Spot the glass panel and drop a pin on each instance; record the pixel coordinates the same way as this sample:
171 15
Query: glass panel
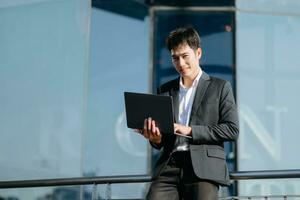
83 192
119 62
268 81
43 63
46 193
215 29
123 191
276 187
282 7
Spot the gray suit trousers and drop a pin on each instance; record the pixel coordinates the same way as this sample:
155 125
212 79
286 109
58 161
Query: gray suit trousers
177 181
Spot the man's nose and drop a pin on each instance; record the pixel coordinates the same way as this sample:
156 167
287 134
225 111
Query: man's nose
181 61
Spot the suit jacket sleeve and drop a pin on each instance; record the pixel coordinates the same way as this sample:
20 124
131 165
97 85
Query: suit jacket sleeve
226 129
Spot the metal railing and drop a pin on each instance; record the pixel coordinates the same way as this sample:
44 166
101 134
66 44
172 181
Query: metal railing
76 181
265 197
108 180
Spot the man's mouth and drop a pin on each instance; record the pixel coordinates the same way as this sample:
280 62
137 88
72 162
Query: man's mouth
183 69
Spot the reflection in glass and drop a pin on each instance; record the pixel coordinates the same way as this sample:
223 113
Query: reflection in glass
268 78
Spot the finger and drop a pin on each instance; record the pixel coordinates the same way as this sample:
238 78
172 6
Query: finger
146 134
145 124
149 123
145 130
153 127
156 137
157 131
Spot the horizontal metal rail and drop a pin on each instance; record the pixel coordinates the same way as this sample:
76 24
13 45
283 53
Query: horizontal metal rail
264 197
265 174
240 175
76 181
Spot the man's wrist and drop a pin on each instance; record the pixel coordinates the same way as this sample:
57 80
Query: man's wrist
190 131
157 142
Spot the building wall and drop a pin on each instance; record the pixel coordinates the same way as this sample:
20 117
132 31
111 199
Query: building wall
119 51
267 91
43 83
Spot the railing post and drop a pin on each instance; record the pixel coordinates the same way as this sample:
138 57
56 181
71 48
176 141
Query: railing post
108 191
94 192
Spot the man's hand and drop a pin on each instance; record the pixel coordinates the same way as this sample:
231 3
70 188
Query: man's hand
150 131
181 129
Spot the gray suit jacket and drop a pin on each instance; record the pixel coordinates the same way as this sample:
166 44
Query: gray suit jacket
213 120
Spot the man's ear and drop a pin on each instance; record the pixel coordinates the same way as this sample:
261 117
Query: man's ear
199 53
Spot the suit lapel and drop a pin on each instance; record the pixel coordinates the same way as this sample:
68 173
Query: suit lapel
201 89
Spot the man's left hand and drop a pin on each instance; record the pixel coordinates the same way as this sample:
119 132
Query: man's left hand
181 129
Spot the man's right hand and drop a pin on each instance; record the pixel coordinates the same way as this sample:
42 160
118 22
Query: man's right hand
151 131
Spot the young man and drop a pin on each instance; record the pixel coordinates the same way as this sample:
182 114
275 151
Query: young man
205 110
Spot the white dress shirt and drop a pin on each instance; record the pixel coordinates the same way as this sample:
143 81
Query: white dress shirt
186 99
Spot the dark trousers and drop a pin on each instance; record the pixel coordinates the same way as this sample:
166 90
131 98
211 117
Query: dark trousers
178 181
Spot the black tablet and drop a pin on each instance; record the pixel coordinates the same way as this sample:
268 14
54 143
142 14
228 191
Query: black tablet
140 106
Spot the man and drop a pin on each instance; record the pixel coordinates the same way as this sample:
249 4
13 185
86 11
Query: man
205 110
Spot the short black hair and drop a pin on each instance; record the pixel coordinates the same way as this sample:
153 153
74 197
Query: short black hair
183 35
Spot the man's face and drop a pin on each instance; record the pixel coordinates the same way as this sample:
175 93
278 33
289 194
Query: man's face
186 60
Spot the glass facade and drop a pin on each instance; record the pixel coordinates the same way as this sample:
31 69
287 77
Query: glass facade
118 63
47 193
267 81
43 73
64 67
216 32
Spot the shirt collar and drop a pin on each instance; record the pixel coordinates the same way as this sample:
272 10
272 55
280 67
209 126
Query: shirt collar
195 82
